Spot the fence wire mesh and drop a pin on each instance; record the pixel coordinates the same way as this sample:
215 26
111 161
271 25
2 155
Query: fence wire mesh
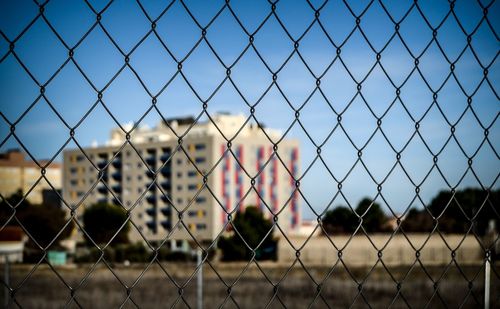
470 41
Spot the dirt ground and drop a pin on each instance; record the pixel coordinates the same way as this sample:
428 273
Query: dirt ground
154 287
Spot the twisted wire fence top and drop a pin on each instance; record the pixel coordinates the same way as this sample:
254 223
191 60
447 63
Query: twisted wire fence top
378 94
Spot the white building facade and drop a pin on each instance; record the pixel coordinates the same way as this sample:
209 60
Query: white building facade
204 180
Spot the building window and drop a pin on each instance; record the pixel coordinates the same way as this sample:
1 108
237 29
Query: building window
197 213
179 175
201 199
200 146
179 201
192 187
73 182
179 161
73 170
179 188
200 160
192 173
201 226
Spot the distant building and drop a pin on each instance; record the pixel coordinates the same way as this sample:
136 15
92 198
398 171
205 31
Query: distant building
12 240
308 228
126 178
17 173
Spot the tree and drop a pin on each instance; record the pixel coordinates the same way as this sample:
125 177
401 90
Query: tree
417 221
374 220
42 222
253 228
456 213
101 221
45 222
340 220
343 220
6 210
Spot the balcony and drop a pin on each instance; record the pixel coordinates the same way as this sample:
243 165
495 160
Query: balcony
151 199
166 185
117 163
102 164
150 174
164 157
164 199
166 171
117 188
166 211
117 176
151 212
151 226
151 186
102 189
167 225
151 160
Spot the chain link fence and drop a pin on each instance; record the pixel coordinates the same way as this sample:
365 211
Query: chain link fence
404 74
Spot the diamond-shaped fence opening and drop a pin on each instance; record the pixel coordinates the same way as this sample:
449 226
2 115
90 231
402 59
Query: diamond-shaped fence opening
249 154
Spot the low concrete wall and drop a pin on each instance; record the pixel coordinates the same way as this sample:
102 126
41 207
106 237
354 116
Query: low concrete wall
363 251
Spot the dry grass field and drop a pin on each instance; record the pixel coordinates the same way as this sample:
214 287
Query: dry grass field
297 290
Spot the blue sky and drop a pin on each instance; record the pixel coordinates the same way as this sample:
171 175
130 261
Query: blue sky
71 95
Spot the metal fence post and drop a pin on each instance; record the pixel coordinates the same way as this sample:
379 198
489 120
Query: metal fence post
6 280
199 296
487 273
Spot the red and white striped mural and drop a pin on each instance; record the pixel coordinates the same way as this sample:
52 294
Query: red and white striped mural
225 186
238 176
259 163
273 185
294 156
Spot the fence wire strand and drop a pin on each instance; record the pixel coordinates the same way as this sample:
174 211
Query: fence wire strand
275 72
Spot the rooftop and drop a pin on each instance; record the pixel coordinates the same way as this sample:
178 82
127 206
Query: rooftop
16 158
171 128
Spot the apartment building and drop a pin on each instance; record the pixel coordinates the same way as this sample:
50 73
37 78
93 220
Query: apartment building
202 180
17 173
